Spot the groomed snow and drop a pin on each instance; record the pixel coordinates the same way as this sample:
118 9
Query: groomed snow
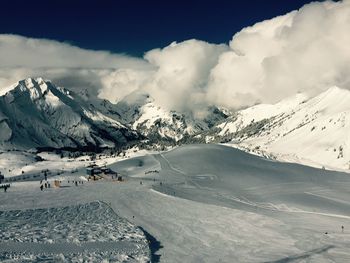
89 232
212 203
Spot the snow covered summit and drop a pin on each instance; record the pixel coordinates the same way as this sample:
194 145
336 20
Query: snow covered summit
142 113
36 113
313 131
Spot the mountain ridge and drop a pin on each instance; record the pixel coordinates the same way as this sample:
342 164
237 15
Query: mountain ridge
309 130
58 118
312 131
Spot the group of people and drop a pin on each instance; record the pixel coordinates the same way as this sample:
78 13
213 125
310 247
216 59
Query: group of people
45 184
76 182
5 187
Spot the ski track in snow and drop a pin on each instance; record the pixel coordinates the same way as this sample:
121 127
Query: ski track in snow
195 212
185 176
267 206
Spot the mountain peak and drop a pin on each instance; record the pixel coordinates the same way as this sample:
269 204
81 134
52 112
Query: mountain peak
35 83
36 88
335 91
334 99
58 118
31 82
27 84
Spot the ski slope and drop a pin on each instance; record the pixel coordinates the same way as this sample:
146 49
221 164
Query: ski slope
286 208
213 203
222 173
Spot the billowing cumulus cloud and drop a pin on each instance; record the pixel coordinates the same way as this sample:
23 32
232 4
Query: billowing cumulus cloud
177 78
306 50
18 51
182 73
117 84
237 80
66 65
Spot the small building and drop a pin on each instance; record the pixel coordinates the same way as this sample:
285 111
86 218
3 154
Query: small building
106 170
90 171
93 170
111 172
97 171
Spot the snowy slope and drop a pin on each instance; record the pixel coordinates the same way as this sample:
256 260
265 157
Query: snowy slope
81 233
36 113
314 131
248 180
259 112
144 115
215 204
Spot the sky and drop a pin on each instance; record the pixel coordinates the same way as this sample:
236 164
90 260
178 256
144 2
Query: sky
187 56
136 26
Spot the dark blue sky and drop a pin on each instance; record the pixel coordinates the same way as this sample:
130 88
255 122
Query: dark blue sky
132 26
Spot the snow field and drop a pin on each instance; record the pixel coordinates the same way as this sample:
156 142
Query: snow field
89 232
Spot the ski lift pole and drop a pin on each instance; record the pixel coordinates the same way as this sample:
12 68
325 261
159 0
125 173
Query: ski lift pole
2 177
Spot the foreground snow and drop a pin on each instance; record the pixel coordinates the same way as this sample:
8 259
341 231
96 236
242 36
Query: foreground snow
211 203
80 233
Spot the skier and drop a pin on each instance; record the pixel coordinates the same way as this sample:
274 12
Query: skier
342 229
76 183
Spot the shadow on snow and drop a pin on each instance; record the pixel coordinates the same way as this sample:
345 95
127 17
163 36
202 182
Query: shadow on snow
154 245
303 255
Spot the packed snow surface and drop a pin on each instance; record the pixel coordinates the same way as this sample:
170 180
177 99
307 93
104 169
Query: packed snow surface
211 203
89 232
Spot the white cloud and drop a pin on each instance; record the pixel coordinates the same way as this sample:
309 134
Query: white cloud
18 51
303 51
64 64
119 83
182 75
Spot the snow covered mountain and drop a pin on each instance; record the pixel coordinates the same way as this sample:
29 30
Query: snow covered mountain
36 113
312 131
141 112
